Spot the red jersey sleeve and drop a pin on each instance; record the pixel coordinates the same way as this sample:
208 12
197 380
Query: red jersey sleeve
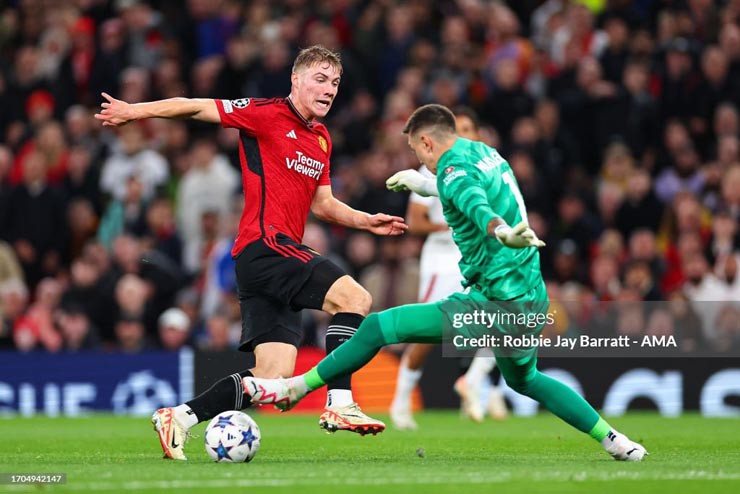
242 114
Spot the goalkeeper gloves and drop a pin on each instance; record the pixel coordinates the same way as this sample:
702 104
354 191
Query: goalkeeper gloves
413 181
519 237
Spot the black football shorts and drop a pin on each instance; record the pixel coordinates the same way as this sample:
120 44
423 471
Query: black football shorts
276 278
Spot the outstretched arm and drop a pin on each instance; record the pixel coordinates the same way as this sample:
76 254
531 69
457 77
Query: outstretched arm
472 201
116 112
414 181
328 208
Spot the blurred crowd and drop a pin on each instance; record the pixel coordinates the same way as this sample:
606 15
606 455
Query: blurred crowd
619 118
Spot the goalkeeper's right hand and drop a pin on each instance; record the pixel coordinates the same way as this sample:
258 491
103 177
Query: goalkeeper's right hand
414 181
519 237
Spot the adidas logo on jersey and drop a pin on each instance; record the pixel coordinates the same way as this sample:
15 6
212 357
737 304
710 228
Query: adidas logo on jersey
291 134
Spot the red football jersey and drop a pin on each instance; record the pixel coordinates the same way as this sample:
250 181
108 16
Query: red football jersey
283 158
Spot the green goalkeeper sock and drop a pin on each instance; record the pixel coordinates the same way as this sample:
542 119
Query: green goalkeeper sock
313 379
352 354
600 430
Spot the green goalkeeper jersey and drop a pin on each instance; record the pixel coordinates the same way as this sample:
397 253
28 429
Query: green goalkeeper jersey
475 186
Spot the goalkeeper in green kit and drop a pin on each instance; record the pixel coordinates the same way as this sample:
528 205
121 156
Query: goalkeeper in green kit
500 262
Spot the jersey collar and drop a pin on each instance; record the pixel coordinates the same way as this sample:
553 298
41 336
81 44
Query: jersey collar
292 107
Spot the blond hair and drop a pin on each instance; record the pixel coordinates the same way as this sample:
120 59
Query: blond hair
316 54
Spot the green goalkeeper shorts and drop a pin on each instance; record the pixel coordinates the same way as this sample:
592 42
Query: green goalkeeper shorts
508 326
469 315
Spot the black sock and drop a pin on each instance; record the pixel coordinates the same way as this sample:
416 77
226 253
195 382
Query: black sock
341 328
226 394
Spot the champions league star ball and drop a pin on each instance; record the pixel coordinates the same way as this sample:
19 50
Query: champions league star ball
232 437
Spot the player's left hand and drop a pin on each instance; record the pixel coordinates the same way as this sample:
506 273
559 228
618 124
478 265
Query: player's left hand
385 224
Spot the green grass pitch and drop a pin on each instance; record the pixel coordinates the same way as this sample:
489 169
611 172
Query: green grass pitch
522 455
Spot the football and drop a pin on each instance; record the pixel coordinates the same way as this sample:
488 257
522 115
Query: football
232 437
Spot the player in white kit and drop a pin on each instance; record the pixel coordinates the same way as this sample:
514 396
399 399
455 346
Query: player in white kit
440 277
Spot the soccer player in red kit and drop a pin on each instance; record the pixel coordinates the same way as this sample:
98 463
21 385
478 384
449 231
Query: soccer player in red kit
284 154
